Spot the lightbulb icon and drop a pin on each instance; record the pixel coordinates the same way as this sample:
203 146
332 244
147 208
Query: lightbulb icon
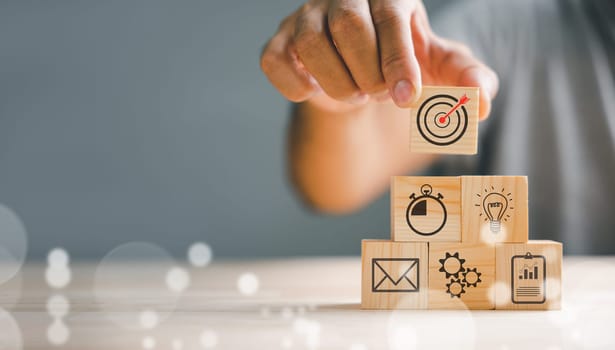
495 205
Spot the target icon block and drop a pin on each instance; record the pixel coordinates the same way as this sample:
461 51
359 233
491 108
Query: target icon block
445 120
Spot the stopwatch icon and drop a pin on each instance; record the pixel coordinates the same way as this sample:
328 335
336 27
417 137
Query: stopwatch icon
426 214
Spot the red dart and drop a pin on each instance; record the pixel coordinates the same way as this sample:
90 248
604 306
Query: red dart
463 100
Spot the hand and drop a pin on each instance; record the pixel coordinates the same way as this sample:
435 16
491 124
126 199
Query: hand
356 51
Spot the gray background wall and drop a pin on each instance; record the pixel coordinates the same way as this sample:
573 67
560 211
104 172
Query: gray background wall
150 120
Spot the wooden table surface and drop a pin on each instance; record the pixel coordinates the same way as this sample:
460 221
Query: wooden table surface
300 304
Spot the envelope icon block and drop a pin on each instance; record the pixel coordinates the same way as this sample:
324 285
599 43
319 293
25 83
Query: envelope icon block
402 277
394 275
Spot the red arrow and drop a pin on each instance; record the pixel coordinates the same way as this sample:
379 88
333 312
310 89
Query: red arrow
463 100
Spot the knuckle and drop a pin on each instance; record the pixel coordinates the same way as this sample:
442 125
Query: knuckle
386 15
269 60
305 40
393 61
345 21
306 37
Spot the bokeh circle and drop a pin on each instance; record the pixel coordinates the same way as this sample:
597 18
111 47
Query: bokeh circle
135 272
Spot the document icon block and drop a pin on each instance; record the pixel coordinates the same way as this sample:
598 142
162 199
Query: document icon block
528 275
394 275
528 279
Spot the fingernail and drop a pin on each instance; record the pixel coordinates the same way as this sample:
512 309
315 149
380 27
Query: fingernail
403 92
358 99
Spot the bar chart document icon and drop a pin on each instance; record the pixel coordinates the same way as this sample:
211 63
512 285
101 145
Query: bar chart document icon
528 278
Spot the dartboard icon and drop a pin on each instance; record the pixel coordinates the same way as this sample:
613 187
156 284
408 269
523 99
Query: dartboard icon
443 119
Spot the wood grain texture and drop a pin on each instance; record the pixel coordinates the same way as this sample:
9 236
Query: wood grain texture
461 276
404 191
528 275
394 275
480 194
457 134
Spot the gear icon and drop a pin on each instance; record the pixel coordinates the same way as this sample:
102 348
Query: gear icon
452 265
455 288
471 277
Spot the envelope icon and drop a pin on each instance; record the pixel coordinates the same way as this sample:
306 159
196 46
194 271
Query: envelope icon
395 275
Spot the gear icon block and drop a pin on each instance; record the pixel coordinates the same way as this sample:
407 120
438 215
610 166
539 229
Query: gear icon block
452 265
471 277
459 277
455 288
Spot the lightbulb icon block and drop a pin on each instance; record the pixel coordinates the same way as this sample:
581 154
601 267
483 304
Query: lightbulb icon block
426 208
528 275
394 275
445 120
494 209
461 276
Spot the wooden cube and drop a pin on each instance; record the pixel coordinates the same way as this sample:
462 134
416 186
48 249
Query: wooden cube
425 208
494 209
461 276
394 275
445 120
529 275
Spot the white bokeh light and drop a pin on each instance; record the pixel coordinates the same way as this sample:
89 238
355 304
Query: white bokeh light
208 339
287 342
423 330
177 344
148 319
199 254
58 333
58 277
403 337
13 244
58 306
10 334
177 279
310 330
58 257
143 266
357 346
248 284
148 342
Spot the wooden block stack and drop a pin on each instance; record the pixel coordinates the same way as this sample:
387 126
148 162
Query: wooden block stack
460 243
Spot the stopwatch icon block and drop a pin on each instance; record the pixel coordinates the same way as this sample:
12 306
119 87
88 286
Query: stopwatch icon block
445 120
426 209
461 276
494 209
528 275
